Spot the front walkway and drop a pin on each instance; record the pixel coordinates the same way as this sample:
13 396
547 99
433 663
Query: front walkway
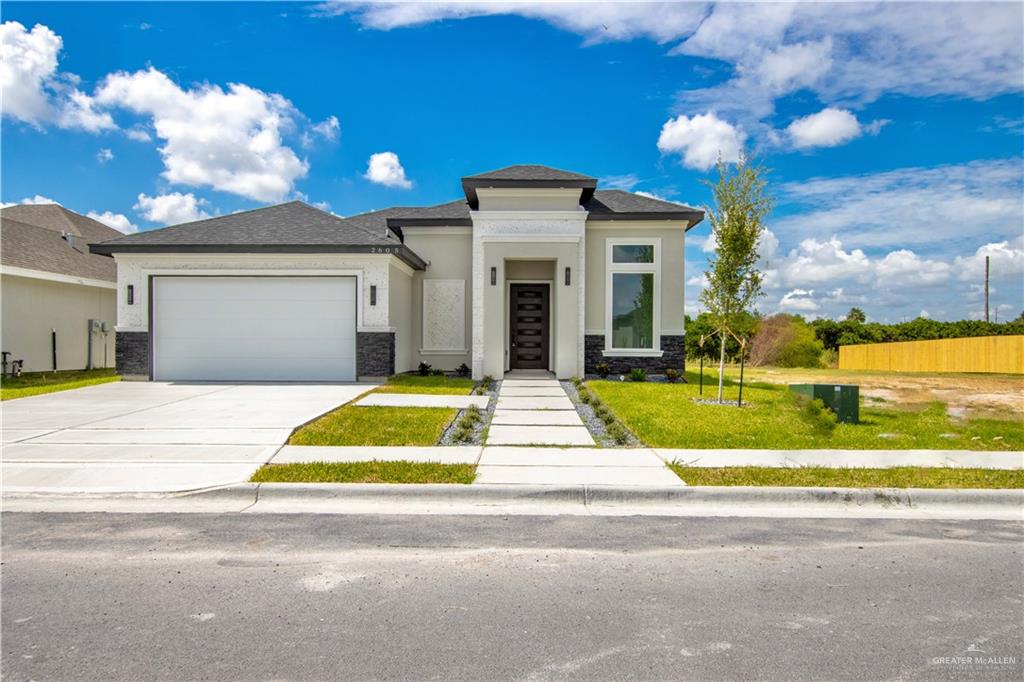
535 410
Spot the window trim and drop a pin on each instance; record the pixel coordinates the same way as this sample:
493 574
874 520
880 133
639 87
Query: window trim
611 269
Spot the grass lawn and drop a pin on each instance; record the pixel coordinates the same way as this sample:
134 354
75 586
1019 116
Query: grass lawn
665 415
824 477
37 383
351 425
366 472
414 383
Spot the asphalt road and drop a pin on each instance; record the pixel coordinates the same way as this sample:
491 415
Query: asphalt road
236 597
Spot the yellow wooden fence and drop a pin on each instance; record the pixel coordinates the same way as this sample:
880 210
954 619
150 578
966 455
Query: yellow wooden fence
1002 354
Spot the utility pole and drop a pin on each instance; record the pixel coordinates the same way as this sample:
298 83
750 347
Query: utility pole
986 288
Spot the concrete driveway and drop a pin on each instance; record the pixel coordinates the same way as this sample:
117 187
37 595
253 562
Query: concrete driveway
154 436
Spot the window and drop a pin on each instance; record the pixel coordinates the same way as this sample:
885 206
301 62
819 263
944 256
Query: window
632 295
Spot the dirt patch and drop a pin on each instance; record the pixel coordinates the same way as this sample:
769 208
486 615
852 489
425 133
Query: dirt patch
979 394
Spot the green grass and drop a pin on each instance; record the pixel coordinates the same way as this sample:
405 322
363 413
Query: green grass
38 383
665 415
823 477
414 383
351 425
366 472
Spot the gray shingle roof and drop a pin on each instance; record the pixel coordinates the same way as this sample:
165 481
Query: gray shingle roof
528 172
617 204
38 245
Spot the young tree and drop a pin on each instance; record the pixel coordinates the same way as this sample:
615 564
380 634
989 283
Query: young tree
856 315
737 221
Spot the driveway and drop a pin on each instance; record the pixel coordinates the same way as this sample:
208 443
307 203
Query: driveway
154 436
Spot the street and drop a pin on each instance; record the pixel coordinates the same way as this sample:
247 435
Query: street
232 597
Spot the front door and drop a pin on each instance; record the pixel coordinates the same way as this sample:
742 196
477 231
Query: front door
528 326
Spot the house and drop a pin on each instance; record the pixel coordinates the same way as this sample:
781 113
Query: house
58 300
534 268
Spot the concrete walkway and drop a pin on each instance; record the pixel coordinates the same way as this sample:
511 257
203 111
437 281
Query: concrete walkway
573 466
536 411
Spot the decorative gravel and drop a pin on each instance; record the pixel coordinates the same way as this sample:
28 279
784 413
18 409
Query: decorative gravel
448 437
594 425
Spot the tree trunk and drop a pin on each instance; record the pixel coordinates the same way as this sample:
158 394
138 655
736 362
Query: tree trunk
721 368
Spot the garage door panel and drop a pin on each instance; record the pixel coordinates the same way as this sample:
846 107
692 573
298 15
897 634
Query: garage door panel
254 328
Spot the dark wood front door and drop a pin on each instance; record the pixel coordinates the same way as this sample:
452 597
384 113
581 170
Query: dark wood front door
528 326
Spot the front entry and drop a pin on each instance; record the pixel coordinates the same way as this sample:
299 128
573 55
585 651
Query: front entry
529 326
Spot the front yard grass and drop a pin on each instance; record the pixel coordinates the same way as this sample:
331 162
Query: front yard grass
414 383
366 472
38 383
825 477
666 416
351 425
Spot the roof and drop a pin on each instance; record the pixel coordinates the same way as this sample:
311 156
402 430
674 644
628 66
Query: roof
292 227
31 237
617 204
527 176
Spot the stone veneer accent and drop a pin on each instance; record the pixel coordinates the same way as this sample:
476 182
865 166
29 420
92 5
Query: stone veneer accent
131 353
674 355
375 354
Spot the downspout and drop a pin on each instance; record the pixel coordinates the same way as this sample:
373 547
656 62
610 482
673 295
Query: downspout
53 341
88 345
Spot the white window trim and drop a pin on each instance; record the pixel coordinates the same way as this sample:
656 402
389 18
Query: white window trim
612 268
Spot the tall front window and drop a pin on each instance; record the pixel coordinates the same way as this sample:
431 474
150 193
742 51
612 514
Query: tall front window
632 294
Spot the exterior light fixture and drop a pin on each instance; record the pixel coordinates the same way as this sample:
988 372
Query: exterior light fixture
494 275
373 294
131 294
568 276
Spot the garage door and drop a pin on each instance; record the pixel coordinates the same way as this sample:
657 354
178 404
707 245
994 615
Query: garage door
254 328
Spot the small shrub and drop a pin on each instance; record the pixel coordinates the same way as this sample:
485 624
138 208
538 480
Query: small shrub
821 418
437 372
463 434
585 396
577 382
462 370
487 383
423 369
603 369
617 433
638 374
830 358
671 375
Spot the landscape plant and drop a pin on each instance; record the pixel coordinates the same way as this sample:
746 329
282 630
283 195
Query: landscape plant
603 369
737 217
423 369
671 375
638 374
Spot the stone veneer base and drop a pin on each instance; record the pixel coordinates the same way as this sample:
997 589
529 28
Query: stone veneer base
673 355
131 354
375 354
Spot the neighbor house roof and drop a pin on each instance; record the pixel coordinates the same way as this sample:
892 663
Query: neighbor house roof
527 176
32 237
291 227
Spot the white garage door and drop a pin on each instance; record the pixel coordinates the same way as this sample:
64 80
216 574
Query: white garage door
254 328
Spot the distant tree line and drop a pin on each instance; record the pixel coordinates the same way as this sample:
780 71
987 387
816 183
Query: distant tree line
790 341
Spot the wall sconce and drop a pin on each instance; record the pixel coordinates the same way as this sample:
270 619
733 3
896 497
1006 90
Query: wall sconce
568 276
373 294
131 294
494 275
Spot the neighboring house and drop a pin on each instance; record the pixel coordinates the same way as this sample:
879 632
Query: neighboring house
51 286
534 269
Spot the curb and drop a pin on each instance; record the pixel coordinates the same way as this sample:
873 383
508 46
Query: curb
683 496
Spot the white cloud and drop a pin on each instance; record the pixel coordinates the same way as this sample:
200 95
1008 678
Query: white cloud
385 169
329 128
1006 261
33 90
904 268
799 300
596 21
39 199
828 128
138 134
230 140
118 221
701 140
104 155
625 182
942 207
171 209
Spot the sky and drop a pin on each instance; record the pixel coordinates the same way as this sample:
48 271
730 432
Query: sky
893 132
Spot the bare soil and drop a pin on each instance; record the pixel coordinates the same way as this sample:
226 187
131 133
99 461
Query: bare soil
980 395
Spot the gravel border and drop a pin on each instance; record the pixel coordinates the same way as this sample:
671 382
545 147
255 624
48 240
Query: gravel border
594 425
448 437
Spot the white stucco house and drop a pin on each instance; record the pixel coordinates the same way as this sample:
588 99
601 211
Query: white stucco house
533 268
58 300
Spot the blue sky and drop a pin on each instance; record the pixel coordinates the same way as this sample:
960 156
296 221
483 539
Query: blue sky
894 132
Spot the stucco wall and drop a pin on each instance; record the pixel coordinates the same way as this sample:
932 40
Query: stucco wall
34 307
400 316
135 269
673 276
449 255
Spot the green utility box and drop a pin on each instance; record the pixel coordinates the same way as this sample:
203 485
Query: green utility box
843 399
